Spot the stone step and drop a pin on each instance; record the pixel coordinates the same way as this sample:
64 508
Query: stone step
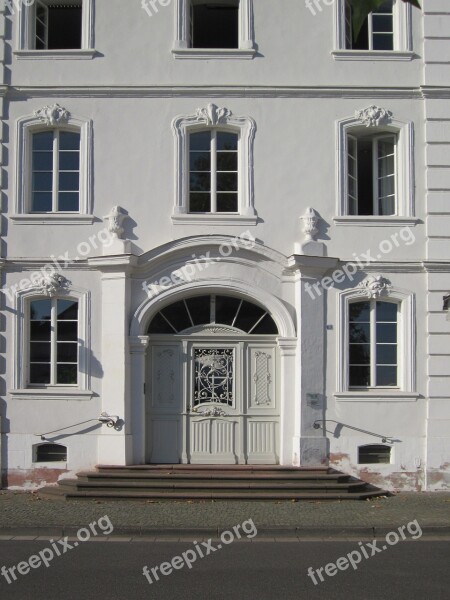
207 475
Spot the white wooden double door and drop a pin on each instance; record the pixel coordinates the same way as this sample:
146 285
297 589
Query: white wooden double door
212 401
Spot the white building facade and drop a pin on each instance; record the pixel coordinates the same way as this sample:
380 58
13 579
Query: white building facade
225 239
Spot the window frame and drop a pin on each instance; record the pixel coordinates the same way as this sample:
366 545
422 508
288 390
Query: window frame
25 128
26 34
405 188
403 39
204 119
21 342
406 344
182 50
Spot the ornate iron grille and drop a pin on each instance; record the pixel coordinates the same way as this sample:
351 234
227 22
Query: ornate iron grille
214 375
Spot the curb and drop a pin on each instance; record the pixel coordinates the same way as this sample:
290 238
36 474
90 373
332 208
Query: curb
271 533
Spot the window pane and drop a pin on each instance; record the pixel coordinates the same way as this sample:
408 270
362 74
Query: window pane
227 161
67 310
159 325
177 315
200 182
248 316
64 26
40 351
362 41
42 182
386 311
41 310
68 202
215 25
386 333
266 326
200 161
227 141
382 23
360 312
200 202
42 161
40 331
42 202
360 354
227 182
386 354
387 376
359 376
200 309
69 140
66 374
39 373
365 177
69 161
67 331
359 333
68 182
226 309
200 141
43 141
383 41
227 202
67 352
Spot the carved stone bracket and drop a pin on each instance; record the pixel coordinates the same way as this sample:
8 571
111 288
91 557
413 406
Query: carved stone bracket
375 286
52 115
115 221
310 220
373 116
213 115
53 284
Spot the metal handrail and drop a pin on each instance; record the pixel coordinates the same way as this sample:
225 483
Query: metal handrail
384 438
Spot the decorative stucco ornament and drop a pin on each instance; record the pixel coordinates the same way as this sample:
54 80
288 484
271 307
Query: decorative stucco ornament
375 286
115 220
52 284
310 220
213 115
52 115
373 116
214 411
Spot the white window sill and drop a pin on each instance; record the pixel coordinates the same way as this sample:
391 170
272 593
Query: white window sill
382 395
57 393
86 54
214 219
394 55
376 221
214 53
52 219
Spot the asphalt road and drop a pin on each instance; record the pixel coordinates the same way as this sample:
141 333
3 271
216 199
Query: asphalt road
258 570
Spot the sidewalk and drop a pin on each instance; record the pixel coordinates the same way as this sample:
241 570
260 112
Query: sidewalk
23 513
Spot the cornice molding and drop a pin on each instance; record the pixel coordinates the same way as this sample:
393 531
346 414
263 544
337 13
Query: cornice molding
213 91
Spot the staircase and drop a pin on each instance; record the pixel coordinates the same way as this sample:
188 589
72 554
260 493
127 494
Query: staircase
207 482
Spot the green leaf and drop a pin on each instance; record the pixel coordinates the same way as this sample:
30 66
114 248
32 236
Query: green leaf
361 8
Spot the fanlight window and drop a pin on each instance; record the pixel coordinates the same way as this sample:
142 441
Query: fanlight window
213 309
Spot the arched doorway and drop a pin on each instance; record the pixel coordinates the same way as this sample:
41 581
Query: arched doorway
212 393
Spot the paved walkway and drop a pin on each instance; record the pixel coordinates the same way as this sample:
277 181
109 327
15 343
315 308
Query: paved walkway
25 512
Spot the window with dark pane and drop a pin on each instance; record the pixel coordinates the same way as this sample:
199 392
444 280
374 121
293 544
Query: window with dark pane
58 25
53 345
213 309
213 172
359 344
386 344
374 454
55 185
215 24
377 31
51 453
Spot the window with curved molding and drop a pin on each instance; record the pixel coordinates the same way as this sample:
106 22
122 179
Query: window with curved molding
50 453
230 311
373 454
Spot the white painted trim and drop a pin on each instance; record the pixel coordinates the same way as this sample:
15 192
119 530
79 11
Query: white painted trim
403 38
405 193
381 396
25 31
58 393
20 347
25 127
182 127
181 47
375 221
87 54
406 345
52 219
